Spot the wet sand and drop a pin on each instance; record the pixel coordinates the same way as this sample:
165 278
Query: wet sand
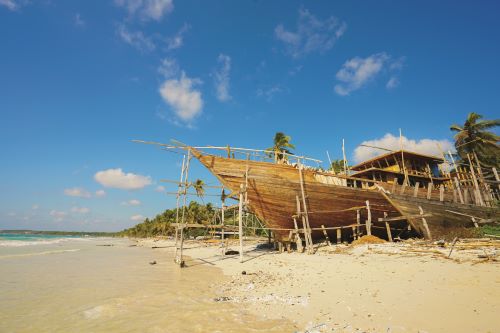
83 286
398 287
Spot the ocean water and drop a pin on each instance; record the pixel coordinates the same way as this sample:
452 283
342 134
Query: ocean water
70 284
24 239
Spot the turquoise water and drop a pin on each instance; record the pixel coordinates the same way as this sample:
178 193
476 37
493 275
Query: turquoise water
24 239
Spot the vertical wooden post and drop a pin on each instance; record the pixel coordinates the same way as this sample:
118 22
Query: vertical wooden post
326 235
339 236
441 192
358 222
415 191
424 222
459 189
306 215
179 191
477 192
429 191
403 188
354 235
496 176
222 233
240 222
180 260
467 198
388 228
394 184
368 219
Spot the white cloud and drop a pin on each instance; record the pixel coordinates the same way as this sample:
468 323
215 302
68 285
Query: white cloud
136 39
80 210
58 215
389 141
147 9
268 93
392 83
11 214
10 4
79 22
77 192
177 40
221 77
185 101
160 188
100 193
132 202
311 35
356 72
168 68
35 206
116 178
137 218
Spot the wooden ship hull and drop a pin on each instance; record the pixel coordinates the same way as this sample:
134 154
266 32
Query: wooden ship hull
273 190
275 193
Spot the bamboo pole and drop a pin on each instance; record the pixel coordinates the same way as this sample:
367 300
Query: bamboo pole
459 190
388 228
306 216
177 205
479 199
368 219
183 221
240 222
424 222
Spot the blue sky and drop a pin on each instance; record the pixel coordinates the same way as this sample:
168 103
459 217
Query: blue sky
80 79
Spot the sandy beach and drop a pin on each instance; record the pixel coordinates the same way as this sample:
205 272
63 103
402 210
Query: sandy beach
409 286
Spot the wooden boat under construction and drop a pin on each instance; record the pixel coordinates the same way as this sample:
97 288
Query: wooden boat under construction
396 199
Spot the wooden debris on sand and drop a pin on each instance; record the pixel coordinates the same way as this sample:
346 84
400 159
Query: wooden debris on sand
368 239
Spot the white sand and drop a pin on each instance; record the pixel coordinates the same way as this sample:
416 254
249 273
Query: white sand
398 287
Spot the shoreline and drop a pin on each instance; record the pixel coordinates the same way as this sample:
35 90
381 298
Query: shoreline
409 286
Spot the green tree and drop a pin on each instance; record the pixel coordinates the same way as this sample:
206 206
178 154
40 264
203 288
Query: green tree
474 137
281 145
199 187
337 166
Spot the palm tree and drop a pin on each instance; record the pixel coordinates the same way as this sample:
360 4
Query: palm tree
281 145
199 187
473 137
337 166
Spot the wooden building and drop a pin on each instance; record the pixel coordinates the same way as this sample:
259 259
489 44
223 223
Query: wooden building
404 166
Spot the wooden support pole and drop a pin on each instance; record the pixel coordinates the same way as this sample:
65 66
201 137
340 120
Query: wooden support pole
339 236
429 191
424 222
358 222
179 192
394 184
222 233
415 190
240 222
477 192
354 235
388 228
306 216
459 190
441 192
403 188
304 228
496 176
180 260
326 235
368 219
